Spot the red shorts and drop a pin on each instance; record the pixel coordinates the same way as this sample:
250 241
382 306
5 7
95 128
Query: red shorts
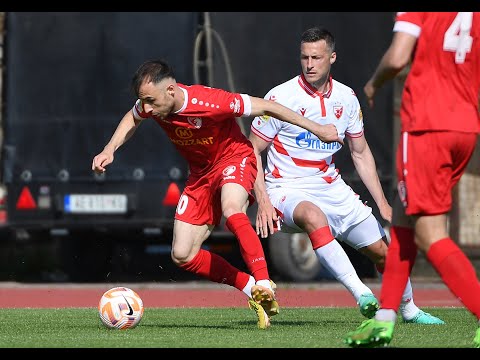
200 202
429 165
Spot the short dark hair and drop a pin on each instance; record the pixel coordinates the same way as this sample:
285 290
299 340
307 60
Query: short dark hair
152 70
315 34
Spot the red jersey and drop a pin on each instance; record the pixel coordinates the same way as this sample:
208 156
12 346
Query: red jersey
205 130
442 87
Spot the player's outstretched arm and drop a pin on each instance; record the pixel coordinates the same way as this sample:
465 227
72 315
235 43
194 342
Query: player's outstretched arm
123 132
327 133
396 58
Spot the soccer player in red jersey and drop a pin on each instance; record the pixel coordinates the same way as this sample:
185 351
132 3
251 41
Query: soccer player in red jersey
439 128
201 123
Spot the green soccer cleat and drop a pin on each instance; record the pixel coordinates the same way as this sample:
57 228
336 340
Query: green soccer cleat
476 339
368 305
424 318
263 320
371 333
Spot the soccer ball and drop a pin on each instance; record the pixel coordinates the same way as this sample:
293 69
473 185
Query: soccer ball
120 308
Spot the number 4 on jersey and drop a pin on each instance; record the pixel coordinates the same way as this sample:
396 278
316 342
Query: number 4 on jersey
457 38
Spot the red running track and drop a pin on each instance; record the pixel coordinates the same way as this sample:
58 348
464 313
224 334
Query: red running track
13 295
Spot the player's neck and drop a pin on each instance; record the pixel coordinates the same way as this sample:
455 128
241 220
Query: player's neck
322 85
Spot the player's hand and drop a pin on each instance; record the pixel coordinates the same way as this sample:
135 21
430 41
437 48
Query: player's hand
101 161
267 219
328 133
385 211
369 91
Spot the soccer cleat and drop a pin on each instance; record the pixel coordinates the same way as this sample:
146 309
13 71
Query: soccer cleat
424 318
476 339
266 298
368 305
371 333
272 308
263 320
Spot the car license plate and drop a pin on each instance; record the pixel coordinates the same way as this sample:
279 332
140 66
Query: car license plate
95 203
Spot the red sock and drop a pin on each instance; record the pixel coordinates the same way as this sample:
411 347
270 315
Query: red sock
456 272
401 255
321 237
216 269
250 245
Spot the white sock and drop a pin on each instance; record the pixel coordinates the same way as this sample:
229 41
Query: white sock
386 315
408 309
248 288
265 283
337 262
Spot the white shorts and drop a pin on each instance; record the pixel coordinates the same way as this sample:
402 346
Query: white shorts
350 220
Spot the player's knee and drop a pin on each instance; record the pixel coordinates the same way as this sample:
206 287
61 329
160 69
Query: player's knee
232 209
310 220
180 257
377 252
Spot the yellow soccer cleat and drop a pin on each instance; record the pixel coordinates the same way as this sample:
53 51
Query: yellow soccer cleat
266 298
263 320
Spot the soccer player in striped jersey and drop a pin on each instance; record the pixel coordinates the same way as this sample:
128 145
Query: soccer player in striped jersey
303 189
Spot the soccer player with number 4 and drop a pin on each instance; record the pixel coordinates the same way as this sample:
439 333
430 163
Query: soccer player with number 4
440 124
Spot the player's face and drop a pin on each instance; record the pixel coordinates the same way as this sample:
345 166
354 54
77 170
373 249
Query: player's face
158 100
316 60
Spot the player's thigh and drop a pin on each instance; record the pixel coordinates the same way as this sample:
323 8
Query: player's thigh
364 234
285 201
308 216
234 199
197 203
430 229
188 239
235 177
343 207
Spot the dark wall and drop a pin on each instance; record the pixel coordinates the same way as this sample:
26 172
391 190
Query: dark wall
67 78
67 85
69 74
264 50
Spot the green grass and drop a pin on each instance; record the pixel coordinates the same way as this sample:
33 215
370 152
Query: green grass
220 328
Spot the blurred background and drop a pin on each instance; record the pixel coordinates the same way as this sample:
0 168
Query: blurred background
65 86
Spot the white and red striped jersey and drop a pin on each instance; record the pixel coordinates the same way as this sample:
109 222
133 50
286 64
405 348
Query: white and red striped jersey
295 153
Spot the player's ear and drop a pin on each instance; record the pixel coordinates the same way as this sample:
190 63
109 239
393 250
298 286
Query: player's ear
170 89
333 57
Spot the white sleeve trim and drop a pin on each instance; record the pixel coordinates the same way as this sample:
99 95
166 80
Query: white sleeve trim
247 104
135 112
407 27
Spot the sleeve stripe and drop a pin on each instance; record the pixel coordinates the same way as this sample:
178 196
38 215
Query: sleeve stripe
260 135
356 135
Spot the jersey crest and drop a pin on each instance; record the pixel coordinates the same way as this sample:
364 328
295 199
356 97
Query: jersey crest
338 111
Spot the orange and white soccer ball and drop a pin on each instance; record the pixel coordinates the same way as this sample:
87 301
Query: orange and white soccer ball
120 308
